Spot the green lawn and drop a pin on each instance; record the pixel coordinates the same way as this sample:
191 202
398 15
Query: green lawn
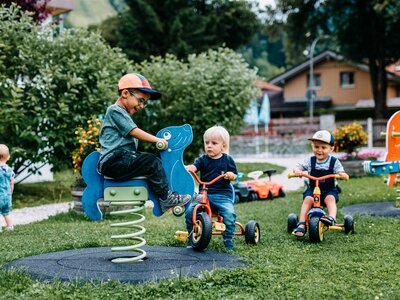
360 266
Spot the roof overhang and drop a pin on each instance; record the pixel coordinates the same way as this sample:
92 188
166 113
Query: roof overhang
57 7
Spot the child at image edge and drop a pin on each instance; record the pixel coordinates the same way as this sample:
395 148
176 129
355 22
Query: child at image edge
215 162
6 186
119 135
321 164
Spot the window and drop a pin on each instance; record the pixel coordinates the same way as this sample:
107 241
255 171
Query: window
317 80
347 79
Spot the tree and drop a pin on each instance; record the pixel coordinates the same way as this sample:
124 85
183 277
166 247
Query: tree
36 7
213 87
180 27
366 32
49 86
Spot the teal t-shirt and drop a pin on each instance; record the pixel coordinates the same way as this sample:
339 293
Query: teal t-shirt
6 174
114 133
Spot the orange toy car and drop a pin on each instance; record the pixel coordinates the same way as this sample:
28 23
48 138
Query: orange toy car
265 188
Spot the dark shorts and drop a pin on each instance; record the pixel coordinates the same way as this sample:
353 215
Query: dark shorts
334 192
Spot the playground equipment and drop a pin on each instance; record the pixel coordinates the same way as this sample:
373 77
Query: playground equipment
204 227
133 193
391 163
315 227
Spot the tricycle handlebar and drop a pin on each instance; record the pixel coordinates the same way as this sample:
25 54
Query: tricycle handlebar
206 183
336 176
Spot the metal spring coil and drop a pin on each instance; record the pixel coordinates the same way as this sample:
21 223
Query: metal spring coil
138 205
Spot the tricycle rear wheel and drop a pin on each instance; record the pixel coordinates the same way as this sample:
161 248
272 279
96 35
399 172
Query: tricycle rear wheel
252 233
291 222
348 224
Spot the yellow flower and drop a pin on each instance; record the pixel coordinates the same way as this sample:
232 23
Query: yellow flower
349 137
88 141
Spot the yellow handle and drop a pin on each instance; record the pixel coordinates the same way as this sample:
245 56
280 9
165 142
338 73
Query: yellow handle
291 175
160 146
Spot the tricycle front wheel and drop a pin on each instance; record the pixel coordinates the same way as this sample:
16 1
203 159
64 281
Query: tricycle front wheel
316 229
202 232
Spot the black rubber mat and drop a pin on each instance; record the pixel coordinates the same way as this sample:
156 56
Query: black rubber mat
378 209
94 264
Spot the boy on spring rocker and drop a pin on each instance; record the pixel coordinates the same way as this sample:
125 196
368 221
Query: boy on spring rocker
215 162
119 135
320 164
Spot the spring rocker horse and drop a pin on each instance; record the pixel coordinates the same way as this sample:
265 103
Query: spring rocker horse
392 157
135 192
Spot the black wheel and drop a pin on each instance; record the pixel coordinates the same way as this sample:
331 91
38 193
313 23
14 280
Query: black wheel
252 233
291 222
270 195
202 233
281 193
316 229
348 224
253 196
237 198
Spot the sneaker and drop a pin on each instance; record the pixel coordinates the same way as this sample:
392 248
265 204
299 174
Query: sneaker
9 228
229 245
174 199
328 220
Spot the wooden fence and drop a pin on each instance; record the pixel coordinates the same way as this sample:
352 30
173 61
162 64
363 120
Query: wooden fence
290 136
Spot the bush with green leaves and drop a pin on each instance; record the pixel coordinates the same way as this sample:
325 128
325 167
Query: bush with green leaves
49 85
214 87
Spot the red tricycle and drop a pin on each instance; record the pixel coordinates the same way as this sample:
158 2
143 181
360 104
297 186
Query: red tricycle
204 227
315 227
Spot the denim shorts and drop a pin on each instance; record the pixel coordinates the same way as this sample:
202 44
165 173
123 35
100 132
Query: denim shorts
5 207
334 192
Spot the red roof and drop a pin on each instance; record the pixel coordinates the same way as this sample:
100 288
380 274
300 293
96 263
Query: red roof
268 86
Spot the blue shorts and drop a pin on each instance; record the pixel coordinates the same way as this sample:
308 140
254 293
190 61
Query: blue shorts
334 192
5 207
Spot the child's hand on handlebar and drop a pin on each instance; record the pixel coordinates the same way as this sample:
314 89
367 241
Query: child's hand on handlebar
230 176
161 144
191 168
344 176
297 171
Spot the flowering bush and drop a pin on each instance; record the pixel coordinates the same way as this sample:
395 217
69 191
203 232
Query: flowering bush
88 141
363 155
349 137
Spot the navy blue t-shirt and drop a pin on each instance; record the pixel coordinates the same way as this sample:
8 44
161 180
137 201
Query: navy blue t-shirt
210 168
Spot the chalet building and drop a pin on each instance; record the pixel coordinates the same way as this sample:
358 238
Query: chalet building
338 85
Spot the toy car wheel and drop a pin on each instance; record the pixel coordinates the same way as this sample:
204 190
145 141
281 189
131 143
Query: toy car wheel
281 193
253 196
316 229
178 211
348 224
237 198
291 222
252 233
270 195
202 232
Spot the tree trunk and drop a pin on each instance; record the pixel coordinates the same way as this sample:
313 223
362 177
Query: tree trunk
379 87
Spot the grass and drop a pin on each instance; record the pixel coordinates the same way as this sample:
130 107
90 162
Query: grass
360 266
35 194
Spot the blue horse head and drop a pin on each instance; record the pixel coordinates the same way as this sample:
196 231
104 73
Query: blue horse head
178 138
